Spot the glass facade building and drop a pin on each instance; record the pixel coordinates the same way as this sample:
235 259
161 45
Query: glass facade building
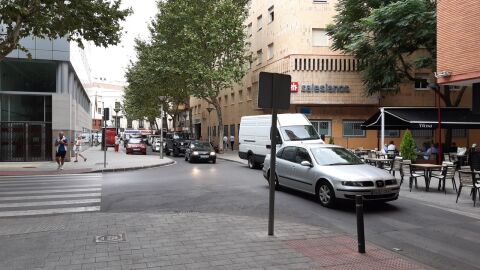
38 98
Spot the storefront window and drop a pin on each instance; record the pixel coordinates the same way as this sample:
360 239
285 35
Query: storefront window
351 128
323 127
27 76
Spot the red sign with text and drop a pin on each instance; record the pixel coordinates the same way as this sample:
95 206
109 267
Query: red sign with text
294 87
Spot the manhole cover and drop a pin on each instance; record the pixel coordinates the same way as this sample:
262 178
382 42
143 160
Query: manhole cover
111 238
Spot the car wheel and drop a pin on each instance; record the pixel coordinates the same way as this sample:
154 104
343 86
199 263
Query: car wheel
325 194
190 160
277 184
214 160
176 153
167 152
186 158
251 162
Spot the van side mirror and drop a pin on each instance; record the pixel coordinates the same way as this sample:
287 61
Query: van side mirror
306 163
269 146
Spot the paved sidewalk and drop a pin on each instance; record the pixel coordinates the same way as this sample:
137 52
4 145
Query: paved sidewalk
185 240
232 156
116 161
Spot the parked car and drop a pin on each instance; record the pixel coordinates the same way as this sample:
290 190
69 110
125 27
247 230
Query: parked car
330 172
254 135
136 145
200 151
156 145
176 143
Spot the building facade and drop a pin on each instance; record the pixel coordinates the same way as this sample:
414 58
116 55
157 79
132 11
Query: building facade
289 37
40 97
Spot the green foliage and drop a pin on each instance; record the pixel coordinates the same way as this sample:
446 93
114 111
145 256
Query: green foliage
384 35
197 49
408 148
92 20
330 141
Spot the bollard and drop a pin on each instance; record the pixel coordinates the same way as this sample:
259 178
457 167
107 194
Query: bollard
360 226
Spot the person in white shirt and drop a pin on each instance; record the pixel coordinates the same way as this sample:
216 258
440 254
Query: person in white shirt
225 142
77 149
391 146
232 141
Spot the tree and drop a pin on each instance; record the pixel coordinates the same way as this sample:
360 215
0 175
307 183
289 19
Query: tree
92 20
199 47
391 38
408 147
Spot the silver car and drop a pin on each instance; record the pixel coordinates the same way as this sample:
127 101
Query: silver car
331 172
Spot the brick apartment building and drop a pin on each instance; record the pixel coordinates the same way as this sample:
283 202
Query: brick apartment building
289 37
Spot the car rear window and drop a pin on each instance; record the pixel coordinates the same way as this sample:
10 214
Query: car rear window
135 140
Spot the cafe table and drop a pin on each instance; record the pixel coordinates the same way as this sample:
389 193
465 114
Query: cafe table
427 169
379 161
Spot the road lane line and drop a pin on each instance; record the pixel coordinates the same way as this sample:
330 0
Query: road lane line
2 193
48 203
52 188
41 197
50 211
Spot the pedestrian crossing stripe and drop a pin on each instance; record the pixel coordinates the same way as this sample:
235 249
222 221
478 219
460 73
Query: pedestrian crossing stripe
45 195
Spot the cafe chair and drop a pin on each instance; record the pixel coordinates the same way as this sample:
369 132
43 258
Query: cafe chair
448 172
446 157
468 179
395 165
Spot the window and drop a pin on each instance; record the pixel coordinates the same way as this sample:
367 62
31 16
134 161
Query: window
421 81
392 133
323 127
226 100
259 22
232 98
270 51
320 38
214 131
249 30
427 133
351 128
240 96
140 124
232 131
129 123
271 14
99 110
259 57
249 93
302 155
225 130
289 153
459 132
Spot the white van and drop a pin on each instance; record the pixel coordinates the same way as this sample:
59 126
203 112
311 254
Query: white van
254 135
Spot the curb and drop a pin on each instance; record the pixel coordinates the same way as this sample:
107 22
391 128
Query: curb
131 168
231 160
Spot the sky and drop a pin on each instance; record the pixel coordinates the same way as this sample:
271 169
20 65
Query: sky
110 63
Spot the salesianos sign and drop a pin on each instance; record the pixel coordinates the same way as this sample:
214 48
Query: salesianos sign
324 88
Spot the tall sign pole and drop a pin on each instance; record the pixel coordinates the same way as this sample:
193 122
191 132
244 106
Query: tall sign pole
274 93
104 133
161 131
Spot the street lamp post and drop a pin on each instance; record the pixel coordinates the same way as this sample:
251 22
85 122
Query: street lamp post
162 99
209 110
117 109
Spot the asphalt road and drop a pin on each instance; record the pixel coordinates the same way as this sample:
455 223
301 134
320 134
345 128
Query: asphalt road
435 237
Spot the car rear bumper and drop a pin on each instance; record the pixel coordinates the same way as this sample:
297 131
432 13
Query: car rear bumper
199 158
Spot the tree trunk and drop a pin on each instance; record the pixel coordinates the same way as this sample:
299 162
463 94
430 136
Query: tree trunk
190 120
218 109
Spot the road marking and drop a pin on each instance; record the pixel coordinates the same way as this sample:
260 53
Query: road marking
2 193
48 203
49 211
41 183
455 211
41 197
8 181
51 175
54 188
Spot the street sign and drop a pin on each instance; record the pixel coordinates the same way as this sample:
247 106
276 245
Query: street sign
274 93
274 85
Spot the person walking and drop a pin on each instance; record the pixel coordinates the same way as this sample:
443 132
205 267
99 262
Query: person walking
61 144
232 141
225 142
77 149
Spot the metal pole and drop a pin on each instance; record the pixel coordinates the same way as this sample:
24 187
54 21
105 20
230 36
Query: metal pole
161 131
382 130
439 157
273 152
208 128
360 225
104 134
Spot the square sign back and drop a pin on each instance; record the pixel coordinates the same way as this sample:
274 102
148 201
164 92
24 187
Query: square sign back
274 90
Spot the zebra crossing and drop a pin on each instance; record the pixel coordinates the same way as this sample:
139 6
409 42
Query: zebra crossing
49 194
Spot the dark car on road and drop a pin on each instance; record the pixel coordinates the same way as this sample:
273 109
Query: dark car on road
200 151
176 143
136 145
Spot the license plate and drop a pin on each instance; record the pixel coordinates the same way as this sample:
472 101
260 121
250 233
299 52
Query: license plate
380 191
204 156
136 149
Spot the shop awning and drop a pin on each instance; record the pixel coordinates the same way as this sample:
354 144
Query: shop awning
423 118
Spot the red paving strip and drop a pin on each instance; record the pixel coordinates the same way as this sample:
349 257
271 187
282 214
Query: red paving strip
52 172
340 252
